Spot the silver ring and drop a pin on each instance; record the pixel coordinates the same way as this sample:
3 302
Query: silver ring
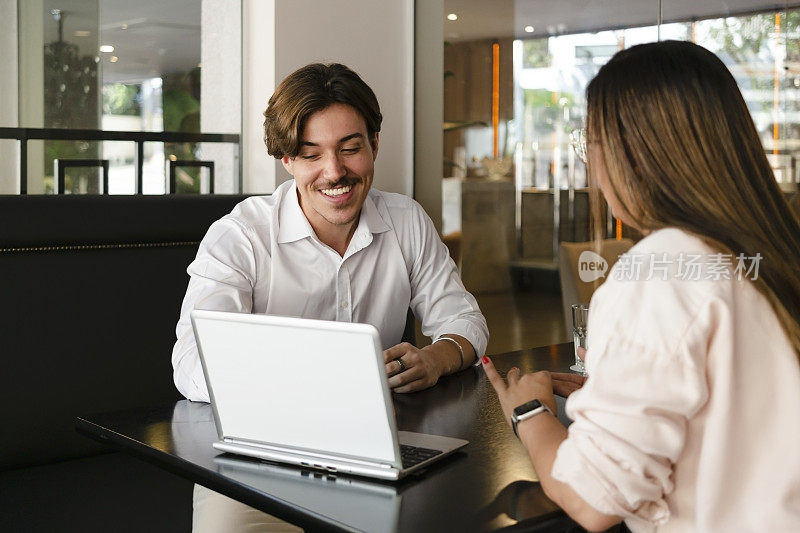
400 365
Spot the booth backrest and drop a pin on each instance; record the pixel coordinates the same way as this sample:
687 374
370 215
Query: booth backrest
91 292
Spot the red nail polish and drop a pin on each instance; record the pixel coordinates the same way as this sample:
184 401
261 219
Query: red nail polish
485 360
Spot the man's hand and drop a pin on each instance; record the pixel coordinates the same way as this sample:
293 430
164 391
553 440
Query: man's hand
418 368
520 388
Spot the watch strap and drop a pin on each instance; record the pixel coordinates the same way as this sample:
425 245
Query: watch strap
525 411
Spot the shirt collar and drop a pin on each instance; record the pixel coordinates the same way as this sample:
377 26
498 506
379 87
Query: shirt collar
294 225
371 218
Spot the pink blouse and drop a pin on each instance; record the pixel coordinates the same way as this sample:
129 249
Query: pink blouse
690 418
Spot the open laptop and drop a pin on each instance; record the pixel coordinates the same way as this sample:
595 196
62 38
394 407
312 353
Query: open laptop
311 393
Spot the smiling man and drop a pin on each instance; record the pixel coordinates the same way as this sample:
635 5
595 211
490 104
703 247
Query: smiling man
326 245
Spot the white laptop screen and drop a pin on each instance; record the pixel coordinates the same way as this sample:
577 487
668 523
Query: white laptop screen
297 383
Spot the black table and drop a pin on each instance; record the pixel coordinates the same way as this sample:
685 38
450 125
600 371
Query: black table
487 486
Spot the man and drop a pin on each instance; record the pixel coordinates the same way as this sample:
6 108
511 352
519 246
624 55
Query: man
327 246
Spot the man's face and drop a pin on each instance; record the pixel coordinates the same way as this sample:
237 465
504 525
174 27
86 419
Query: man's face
334 168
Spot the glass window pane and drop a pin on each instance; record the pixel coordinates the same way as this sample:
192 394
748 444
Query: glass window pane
115 65
9 158
515 77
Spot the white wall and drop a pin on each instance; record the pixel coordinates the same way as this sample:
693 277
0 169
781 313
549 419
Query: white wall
9 112
376 39
429 107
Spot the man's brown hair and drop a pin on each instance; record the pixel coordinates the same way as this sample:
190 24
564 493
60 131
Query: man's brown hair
310 89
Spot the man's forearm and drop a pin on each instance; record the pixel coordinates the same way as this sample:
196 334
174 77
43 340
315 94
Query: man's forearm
450 358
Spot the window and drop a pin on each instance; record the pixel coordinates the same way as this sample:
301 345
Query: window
134 67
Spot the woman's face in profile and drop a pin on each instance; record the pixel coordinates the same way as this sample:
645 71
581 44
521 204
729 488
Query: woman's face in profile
599 177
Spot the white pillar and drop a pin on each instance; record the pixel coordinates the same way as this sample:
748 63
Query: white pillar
31 86
376 39
220 87
9 110
258 83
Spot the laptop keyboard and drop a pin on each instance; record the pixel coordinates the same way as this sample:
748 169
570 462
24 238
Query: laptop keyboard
412 456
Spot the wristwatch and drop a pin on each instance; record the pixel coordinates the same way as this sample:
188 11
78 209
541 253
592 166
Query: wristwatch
526 411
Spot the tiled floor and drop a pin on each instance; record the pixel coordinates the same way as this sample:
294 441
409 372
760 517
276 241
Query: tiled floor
520 320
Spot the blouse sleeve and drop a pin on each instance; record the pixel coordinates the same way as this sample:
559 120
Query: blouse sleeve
646 366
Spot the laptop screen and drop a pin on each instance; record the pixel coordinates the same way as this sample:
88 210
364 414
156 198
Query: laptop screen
297 383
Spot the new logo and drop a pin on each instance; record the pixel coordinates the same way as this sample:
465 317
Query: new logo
591 266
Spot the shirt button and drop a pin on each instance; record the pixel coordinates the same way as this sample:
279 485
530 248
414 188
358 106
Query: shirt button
344 305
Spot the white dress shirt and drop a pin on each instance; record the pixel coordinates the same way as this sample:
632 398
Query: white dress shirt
690 418
264 257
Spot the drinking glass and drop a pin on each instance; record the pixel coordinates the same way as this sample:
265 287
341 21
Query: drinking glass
580 315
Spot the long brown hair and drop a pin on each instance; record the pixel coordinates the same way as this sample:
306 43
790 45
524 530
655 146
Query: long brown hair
681 150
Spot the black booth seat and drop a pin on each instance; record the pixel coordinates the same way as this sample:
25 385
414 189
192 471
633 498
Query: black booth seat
91 292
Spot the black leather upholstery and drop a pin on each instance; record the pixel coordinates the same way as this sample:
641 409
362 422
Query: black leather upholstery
91 291
89 329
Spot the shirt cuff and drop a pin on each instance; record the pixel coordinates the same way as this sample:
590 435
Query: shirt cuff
477 338
581 474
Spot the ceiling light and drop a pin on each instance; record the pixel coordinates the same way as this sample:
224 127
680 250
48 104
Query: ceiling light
114 59
529 29
107 48
82 33
452 16
124 27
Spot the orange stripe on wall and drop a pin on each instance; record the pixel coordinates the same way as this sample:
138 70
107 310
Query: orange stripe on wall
775 93
495 94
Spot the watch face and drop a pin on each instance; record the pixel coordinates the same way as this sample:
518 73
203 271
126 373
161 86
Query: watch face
527 407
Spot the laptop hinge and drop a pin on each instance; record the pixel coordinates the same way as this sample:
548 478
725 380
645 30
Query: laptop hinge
311 455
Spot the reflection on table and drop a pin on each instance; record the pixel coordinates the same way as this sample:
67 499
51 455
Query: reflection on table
489 485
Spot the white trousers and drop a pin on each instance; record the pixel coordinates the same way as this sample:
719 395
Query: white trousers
214 513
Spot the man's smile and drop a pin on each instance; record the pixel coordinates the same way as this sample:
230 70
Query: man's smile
337 191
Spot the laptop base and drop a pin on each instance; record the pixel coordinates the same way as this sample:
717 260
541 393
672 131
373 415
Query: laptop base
346 465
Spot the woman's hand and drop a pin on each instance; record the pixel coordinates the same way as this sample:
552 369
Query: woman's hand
565 384
542 440
520 388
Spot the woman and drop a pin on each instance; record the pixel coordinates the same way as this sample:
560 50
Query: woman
690 417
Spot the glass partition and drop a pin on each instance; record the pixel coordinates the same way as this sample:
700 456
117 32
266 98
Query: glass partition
515 76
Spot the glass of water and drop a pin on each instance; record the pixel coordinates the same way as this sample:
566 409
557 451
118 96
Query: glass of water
580 315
